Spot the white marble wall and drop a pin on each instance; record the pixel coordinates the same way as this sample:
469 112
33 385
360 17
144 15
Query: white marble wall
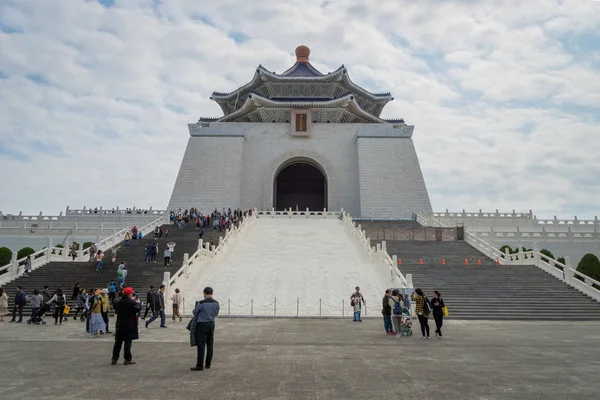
391 181
235 164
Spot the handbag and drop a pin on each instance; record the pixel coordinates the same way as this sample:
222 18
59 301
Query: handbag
445 311
66 310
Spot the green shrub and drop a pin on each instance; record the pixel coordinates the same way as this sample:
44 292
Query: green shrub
589 265
561 260
87 244
504 248
547 253
24 252
5 256
60 246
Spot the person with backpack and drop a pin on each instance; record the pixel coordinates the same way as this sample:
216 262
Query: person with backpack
396 305
20 301
423 309
437 307
60 301
387 313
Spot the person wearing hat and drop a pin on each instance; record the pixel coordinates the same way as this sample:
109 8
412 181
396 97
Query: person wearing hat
126 328
104 308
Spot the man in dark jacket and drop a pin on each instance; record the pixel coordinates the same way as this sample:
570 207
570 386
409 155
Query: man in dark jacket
126 330
387 312
149 302
202 330
20 301
159 307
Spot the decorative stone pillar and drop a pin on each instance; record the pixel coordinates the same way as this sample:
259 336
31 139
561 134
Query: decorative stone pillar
166 279
15 264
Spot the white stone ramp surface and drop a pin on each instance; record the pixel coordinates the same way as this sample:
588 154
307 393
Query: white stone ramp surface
288 267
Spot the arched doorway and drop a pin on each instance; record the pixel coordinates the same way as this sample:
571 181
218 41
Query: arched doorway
300 185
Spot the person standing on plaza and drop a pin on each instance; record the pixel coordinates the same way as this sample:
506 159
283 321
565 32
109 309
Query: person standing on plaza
3 304
60 301
97 324
104 302
396 305
176 299
437 306
159 307
387 313
36 302
356 301
422 309
202 329
149 302
20 301
126 328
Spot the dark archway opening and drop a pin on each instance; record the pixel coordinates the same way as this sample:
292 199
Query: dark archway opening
300 185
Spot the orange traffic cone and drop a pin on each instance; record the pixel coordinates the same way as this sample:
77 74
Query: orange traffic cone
421 261
399 261
466 261
479 261
443 261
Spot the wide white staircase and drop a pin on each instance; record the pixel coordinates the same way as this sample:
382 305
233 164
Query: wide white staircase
291 266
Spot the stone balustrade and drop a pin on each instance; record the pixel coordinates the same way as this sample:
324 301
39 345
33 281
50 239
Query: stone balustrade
207 253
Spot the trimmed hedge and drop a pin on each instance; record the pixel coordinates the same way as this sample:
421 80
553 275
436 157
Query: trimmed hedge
87 244
24 252
5 256
547 253
589 265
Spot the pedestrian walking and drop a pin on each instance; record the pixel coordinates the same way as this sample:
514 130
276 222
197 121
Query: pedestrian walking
60 301
437 309
126 328
99 263
27 265
176 299
202 329
423 309
386 310
167 256
356 301
149 302
159 307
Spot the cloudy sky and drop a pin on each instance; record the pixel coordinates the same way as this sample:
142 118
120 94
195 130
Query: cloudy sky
95 96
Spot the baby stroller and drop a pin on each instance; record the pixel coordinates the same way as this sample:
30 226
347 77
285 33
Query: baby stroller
405 323
40 315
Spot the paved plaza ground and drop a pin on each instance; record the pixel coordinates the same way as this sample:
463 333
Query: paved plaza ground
308 359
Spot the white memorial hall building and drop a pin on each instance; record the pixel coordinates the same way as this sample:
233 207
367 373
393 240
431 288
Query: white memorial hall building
302 139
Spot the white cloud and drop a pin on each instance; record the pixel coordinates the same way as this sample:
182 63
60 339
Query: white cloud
95 101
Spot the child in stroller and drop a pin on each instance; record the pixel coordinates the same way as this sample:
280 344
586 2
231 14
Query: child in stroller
405 323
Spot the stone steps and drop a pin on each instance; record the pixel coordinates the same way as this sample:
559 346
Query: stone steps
490 291
140 274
